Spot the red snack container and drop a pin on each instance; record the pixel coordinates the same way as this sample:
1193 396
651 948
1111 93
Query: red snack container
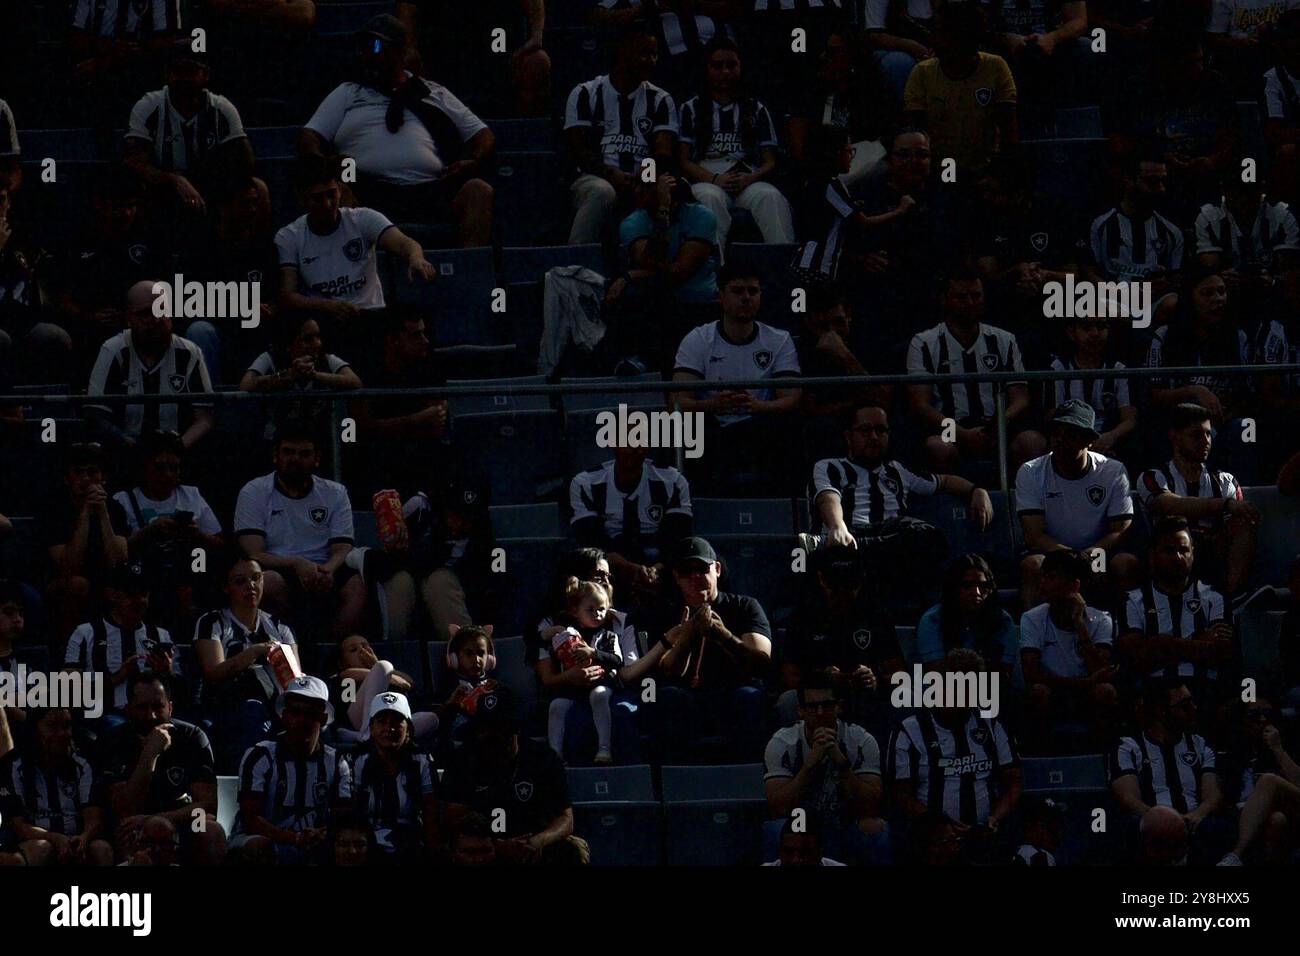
283 666
389 520
469 703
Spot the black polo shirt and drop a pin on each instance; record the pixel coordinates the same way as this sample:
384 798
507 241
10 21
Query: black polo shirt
186 762
817 637
533 793
740 613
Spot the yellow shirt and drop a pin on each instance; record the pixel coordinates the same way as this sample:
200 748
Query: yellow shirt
959 113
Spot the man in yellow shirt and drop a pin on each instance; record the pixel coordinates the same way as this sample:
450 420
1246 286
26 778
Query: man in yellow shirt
966 99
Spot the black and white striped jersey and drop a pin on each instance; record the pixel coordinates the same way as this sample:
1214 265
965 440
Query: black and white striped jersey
1282 95
179 143
1169 774
49 799
738 133
1209 484
394 804
1274 229
1277 344
1125 249
119 371
936 351
679 33
1158 356
877 15
826 222
869 496
294 793
802 6
1153 612
622 128
8 131
954 773
222 626
1030 855
595 496
124 18
1106 395
100 647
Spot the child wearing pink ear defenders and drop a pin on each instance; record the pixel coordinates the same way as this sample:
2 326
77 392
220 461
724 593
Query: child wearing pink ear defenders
471 658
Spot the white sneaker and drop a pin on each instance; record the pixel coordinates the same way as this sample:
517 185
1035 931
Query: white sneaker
604 758
1231 860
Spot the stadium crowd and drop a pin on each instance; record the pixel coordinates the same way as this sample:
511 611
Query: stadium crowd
366 612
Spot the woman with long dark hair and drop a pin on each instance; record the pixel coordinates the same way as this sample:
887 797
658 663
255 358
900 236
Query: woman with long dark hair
968 616
728 148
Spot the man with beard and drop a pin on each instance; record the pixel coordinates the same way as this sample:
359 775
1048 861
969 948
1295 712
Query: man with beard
158 766
1174 624
299 528
501 771
1223 524
420 152
830 769
862 501
147 359
1133 241
290 787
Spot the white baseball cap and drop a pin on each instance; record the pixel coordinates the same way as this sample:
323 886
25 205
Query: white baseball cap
313 688
388 701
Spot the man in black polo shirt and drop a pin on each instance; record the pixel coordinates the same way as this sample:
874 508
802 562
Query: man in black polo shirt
719 645
158 766
840 631
501 771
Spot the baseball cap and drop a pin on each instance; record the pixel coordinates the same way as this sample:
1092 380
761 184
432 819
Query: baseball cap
312 688
693 549
388 701
128 577
386 27
1076 414
497 710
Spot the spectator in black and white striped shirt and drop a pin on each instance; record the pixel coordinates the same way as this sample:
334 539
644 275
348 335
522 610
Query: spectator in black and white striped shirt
963 343
1245 231
1133 241
728 149
1109 398
612 124
1165 764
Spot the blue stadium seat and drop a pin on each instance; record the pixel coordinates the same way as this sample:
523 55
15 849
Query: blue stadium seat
801 522
578 54
1079 122
616 811
277 172
458 300
772 259
579 401
1259 631
583 454
714 815
529 563
531 200
503 402
540 520
1279 534
742 516
347 17
34 405
1057 774
1071 171
521 134
513 671
950 516
758 565
274 142
518 452
530 264
227 802
59 144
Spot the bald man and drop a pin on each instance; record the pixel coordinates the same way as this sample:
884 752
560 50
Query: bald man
149 359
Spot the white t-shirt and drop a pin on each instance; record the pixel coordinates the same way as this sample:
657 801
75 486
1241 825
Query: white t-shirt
264 364
788 749
184 498
354 118
1060 649
1281 93
1243 18
1077 512
767 353
295 527
340 265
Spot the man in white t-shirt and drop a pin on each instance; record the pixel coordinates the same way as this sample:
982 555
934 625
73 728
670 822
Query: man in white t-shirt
1065 647
420 152
327 256
299 528
742 426
830 769
1074 498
